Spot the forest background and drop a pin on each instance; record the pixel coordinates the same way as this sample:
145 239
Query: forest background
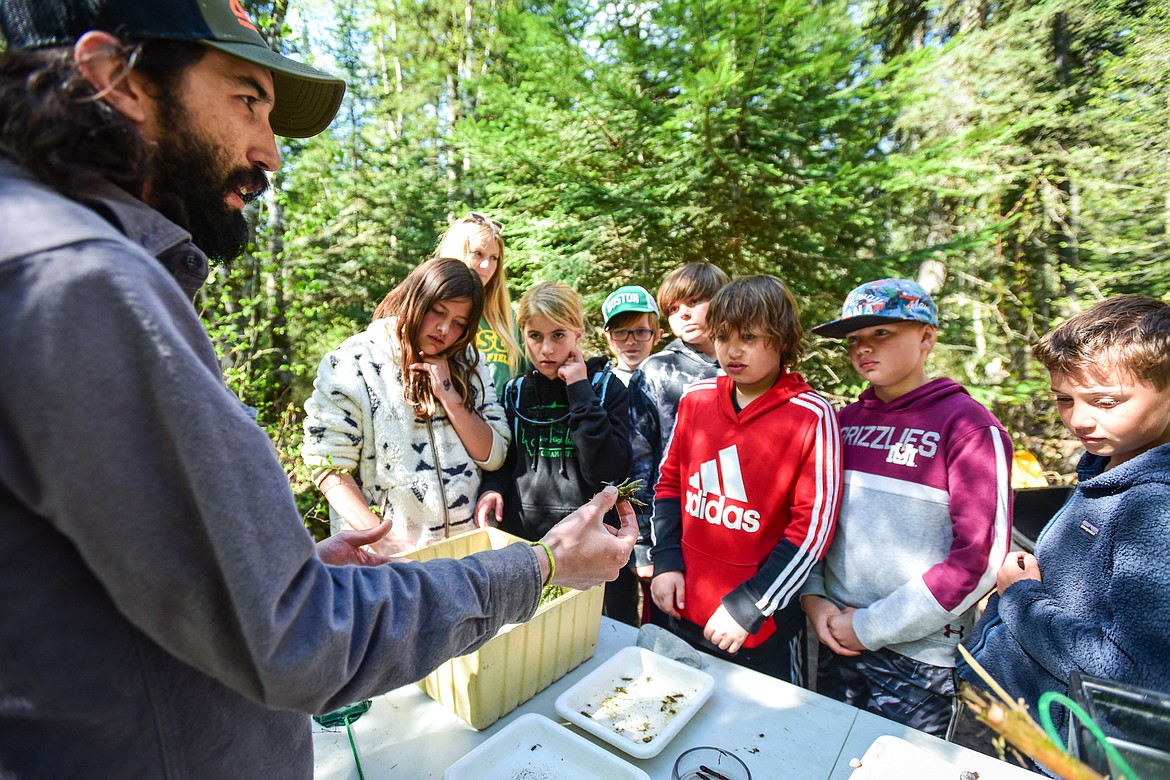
1011 156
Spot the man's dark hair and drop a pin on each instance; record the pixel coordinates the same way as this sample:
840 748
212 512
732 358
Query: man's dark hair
54 127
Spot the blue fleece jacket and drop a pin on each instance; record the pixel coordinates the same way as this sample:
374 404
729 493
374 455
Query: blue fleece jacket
1103 606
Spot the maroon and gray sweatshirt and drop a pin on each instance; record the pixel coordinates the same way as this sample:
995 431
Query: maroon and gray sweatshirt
925 519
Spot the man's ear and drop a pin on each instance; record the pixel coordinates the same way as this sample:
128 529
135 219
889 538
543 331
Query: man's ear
104 62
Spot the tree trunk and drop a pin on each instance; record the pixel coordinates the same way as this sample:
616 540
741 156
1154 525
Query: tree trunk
1065 224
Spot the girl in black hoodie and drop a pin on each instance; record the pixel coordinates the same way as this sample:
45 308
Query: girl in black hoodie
569 420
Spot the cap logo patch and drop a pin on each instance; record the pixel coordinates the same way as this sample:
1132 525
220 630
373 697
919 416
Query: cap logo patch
241 15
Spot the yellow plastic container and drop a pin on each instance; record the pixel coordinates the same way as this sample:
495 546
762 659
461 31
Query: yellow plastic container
523 658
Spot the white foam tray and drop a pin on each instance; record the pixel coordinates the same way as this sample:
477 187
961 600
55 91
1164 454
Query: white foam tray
626 699
892 758
532 747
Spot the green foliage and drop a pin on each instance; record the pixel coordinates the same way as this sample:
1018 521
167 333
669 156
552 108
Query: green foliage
1011 156
624 140
1028 156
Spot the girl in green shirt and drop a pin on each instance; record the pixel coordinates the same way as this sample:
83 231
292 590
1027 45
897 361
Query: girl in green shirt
478 241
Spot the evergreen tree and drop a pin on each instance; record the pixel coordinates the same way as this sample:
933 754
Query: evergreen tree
629 138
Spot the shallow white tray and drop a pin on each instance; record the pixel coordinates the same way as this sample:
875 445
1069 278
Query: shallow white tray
891 758
636 701
532 747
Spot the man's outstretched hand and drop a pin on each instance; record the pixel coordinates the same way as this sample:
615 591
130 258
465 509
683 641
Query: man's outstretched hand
589 552
348 546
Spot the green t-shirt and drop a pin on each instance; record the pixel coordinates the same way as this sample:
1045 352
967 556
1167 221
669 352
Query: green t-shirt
496 355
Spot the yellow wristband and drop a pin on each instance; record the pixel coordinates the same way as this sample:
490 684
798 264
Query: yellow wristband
552 562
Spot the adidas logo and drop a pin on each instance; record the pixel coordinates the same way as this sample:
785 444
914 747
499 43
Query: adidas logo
710 489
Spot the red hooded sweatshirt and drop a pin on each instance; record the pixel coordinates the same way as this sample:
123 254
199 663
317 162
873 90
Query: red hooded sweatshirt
746 501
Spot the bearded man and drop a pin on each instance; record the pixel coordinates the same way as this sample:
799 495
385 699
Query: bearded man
165 612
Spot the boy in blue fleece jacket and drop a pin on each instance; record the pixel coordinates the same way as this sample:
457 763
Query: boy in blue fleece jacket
1096 595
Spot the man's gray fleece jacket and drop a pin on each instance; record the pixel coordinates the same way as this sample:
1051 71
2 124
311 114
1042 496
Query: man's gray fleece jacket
164 612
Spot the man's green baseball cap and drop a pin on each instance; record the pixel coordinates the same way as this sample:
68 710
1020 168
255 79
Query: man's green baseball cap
306 99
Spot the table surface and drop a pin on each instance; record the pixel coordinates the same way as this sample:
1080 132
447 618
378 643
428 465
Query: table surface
778 729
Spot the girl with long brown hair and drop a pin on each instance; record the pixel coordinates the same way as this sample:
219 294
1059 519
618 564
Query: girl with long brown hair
402 419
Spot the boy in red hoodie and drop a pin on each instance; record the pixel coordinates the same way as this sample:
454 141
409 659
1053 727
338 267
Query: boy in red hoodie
749 488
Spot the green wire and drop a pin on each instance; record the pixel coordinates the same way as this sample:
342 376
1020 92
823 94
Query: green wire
1045 708
349 718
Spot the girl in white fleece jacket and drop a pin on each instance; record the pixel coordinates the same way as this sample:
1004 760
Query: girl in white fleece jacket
402 439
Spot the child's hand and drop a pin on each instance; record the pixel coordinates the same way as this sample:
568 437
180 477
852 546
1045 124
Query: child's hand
723 631
669 592
841 629
645 572
490 507
438 371
573 369
1018 566
819 610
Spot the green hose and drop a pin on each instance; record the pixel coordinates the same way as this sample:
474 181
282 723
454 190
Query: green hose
1045 708
344 717
353 747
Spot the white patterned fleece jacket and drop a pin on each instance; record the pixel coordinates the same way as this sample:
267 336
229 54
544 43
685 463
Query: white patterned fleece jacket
415 471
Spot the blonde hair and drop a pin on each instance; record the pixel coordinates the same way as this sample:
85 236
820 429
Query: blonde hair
556 302
438 279
497 307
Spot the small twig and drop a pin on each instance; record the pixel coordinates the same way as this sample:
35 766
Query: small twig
713 773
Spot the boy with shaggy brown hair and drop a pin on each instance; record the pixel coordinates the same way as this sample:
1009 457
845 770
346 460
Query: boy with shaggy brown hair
738 524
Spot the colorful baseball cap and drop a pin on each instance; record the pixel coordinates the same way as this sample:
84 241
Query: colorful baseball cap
306 99
628 298
874 303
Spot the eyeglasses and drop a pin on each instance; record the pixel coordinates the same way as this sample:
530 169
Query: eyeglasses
483 219
624 334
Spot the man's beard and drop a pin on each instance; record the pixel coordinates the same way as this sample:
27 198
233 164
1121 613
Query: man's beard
189 179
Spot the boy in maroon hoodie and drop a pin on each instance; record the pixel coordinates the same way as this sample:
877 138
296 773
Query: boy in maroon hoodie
925 517
749 487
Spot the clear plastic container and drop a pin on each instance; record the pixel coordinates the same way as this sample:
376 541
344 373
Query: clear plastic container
709 763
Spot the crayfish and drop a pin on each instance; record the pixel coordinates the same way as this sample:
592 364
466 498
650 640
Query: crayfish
628 489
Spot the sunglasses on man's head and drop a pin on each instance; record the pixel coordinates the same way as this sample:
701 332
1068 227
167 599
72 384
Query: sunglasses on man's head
483 219
624 334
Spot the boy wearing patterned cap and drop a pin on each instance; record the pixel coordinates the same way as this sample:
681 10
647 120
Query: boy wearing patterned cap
925 519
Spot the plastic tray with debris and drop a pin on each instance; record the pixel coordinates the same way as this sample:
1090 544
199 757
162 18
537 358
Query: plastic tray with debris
532 747
891 758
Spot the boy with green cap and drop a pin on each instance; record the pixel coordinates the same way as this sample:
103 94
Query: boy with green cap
632 330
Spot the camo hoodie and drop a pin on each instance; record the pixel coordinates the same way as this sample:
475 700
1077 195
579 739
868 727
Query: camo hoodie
665 375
